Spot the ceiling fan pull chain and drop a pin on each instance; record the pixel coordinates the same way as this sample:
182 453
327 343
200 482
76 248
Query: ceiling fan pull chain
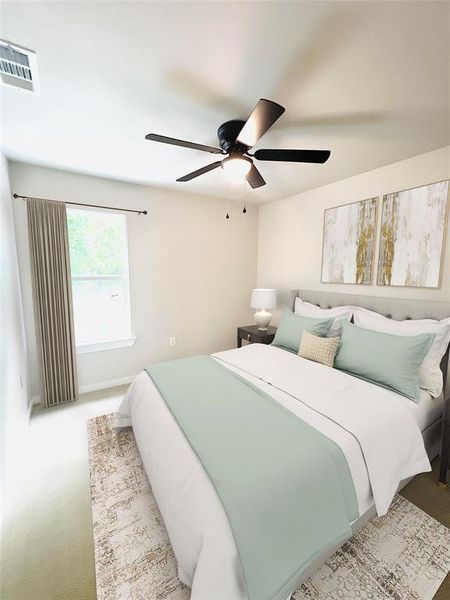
228 201
245 199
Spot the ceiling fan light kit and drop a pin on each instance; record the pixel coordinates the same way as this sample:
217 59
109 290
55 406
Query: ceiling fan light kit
236 138
236 168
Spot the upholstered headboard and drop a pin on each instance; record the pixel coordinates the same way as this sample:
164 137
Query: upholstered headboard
394 308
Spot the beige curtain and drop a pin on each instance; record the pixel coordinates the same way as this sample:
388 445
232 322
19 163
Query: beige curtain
52 295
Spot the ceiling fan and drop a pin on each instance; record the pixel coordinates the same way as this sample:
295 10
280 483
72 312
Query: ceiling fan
236 138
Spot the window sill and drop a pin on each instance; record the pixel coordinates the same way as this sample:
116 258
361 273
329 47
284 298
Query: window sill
105 345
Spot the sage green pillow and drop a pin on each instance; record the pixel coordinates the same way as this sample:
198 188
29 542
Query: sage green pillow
391 361
291 328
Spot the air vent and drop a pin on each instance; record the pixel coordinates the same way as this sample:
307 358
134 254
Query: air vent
18 67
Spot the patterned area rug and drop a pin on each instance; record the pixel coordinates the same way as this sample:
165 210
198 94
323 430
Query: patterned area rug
403 556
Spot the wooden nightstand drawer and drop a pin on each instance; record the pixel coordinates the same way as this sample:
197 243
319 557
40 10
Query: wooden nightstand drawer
253 335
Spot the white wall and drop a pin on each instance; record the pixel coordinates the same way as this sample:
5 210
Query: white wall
191 271
13 366
290 230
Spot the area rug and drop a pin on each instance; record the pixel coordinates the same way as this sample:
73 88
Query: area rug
404 555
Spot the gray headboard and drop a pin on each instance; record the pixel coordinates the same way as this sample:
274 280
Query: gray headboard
394 308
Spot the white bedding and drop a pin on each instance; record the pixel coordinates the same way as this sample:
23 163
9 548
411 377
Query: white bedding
427 411
195 519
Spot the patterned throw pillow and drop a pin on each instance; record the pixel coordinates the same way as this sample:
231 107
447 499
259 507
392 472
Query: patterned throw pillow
319 349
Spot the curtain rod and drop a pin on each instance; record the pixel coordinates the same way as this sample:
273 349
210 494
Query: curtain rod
139 212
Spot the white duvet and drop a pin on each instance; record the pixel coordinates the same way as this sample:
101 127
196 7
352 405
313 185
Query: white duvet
373 426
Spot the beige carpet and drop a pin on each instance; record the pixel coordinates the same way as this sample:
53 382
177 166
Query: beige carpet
47 548
47 544
404 555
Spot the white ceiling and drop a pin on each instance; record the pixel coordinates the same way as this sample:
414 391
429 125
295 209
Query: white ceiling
367 80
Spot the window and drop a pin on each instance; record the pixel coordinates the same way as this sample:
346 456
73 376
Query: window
100 286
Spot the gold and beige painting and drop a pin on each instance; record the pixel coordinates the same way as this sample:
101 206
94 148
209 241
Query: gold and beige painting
412 236
349 242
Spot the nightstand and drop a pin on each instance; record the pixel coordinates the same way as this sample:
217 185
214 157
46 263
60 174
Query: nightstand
445 445
251 333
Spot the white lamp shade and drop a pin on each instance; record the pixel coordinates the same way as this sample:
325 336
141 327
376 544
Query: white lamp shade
263 298
236 169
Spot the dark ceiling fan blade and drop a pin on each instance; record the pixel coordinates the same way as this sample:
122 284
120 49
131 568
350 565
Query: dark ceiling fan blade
201 171
154 137
302 156
254 178
262 118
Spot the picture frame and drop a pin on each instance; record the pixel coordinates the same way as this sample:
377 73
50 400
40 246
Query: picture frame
348 242
412 236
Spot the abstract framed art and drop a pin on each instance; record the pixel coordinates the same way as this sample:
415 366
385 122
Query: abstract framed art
413 227
349 242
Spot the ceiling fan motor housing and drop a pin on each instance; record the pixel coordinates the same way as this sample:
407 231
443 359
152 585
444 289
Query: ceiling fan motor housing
228 133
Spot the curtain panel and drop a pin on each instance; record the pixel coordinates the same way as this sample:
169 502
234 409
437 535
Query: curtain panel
52 297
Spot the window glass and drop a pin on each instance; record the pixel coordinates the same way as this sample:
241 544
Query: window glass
99 265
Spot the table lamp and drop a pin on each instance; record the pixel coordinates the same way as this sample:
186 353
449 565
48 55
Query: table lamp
263 298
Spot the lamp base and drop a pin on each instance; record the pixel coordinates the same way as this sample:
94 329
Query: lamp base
263 319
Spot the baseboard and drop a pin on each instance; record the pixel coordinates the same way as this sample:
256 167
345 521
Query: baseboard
104 385
93 387
33 402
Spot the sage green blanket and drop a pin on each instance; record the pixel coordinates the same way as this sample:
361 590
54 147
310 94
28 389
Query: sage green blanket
286 488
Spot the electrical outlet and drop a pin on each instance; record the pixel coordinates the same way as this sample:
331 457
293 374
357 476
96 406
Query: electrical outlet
172 341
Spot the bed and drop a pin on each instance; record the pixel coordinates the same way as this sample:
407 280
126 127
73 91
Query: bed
197 524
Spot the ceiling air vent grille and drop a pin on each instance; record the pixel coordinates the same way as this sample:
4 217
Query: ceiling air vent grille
18 67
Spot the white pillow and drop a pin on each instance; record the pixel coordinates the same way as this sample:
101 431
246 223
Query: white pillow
340 313
430 374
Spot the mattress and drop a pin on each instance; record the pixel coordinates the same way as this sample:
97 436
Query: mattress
427 411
